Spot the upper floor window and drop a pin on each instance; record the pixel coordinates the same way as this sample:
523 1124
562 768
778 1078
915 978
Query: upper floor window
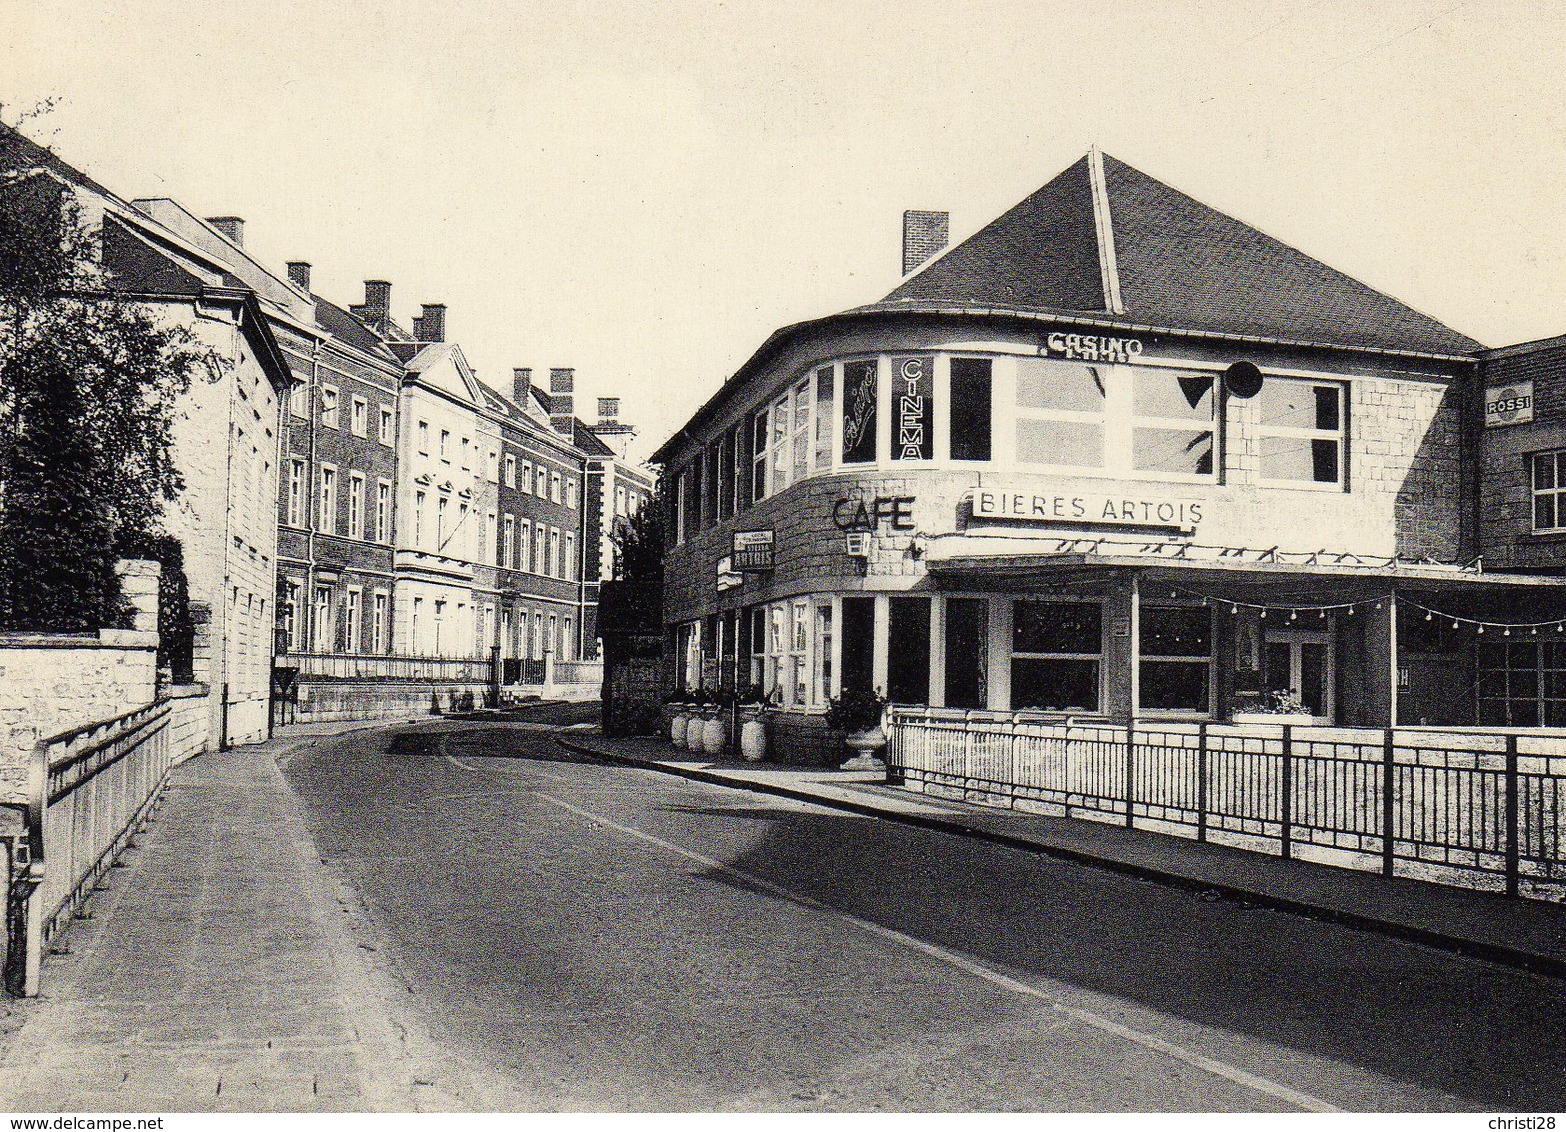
1549 491
1173 421
511 471
328 406
570 493
299 399
445 445
970 398
1061 414
386 426
424 438
1300 424
359 420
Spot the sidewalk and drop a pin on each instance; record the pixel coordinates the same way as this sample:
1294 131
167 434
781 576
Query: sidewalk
1529 934
223 970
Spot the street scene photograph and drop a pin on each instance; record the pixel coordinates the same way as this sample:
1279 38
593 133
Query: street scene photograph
996 556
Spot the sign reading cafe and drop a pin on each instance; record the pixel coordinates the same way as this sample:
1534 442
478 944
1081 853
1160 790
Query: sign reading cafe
1086 509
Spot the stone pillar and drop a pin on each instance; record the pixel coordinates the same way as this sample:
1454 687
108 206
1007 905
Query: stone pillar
139 587
201 641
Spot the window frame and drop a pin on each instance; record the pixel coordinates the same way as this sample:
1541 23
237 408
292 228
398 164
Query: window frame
1556 493
1098 658
1262 432
331 402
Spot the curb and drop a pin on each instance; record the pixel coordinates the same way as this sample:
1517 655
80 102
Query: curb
1549 966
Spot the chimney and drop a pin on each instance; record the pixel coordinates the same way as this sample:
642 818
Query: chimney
232 228
299 274
376 308
522 386
924 234
609 429
562 383
431 325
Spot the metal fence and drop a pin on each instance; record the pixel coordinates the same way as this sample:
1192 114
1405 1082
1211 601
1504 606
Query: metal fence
1479 810
90 791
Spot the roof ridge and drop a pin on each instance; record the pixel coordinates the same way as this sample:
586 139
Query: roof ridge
1104 230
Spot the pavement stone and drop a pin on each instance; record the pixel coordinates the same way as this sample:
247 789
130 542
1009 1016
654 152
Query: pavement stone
1525 933
218 972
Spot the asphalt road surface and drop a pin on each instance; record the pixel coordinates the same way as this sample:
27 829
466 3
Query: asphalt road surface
607 938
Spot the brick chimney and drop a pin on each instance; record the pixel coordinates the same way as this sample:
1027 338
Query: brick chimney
299 274
376 308
431 325
562 405
232 228
609 429
924 234
522 386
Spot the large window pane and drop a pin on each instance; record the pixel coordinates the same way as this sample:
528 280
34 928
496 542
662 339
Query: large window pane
825 386
1054 685
861 388
1051 385
858 642
1181 451
970 410
1076 444
908 651
1172 394
1057 627
1176 631
967 652
1298 458
1174 686
1295 404
913 406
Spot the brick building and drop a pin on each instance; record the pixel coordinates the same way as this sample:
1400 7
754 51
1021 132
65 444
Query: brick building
1115 455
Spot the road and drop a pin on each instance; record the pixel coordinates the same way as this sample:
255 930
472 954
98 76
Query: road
606 938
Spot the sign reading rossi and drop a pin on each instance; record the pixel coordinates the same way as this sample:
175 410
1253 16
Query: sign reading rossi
1090 509
1508 404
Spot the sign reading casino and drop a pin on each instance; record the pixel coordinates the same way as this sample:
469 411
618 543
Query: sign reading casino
1086 509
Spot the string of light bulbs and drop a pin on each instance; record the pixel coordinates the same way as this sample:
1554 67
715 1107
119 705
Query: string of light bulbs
1293 612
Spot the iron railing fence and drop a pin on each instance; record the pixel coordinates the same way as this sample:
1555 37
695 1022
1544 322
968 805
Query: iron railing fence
1475 809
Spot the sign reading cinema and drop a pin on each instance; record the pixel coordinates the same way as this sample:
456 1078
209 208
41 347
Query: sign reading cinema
1087 509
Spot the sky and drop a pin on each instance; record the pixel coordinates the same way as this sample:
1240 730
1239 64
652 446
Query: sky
645 191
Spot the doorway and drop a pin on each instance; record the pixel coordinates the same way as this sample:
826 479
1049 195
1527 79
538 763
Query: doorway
1300 661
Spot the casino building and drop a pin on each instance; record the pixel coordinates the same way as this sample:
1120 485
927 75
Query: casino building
1116 455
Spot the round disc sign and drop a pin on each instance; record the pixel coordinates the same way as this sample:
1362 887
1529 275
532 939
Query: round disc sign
1508 404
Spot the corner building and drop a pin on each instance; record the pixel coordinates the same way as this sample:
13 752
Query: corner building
1116 455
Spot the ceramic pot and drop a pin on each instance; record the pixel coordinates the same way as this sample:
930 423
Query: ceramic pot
714 734
753 738
677 728
865 744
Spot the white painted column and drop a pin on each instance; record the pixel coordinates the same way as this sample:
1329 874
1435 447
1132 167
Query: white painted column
1000 653
937 651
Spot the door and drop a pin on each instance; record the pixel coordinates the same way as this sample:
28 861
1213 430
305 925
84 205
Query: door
1300 661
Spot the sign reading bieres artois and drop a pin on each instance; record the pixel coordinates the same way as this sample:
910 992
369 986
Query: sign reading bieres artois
1095 509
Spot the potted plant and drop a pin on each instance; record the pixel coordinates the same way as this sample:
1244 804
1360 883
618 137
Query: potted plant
1279 706
857 713
714 729
753 703
680 723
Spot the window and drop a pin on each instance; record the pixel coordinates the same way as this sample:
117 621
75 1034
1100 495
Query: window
508 538
353 612
570 557
1177 658
525 482
380 626
415 642
292 621
524 548
822 676
1522 685
553 565
299 399
1055 655
493 465
539 541
466 458
511 470
861 404
554 487
1060 414
1300 425
487 551
568 640
858 642
328 406
440 626
355 505
541 482
326 521
970 408
825 386
967 650
677 503
1549 491
383 512
462 533
1173 421
913 407
325 622
440 524
445 445
296 492
359 419
570 493
386 426
908 651
424 438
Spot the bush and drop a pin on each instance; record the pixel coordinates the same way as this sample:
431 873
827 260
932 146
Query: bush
857 709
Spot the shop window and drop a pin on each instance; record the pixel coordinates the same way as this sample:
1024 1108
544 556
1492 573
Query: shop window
970 408
1173 426
1300 426
1177 658
1522 685
823 664
1057 648
858 642
1549 491
1060 414
861 400
967 650
908 651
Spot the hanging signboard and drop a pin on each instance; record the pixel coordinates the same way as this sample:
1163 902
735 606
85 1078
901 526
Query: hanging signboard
913 406
728 577
861 390
1508 404
753 551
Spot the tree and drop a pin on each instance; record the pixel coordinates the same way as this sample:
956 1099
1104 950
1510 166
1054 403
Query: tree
638 543
89 384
